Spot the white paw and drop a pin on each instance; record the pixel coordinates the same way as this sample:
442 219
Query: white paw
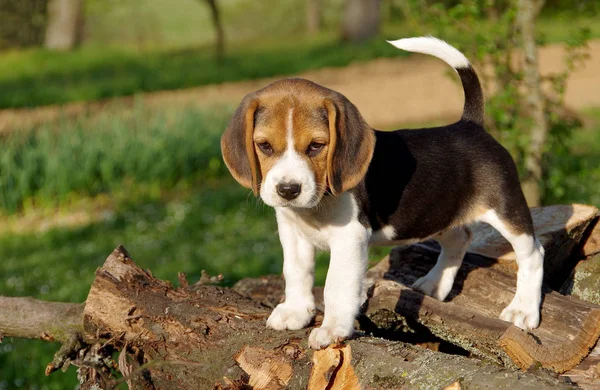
291 316
324 336
525 316
439 288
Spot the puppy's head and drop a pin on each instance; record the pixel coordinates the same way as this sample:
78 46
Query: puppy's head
294 140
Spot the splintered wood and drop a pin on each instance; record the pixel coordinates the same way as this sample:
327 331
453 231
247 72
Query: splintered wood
332 369
268 370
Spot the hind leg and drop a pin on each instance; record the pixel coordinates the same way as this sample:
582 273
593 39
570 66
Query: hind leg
524 310
438 282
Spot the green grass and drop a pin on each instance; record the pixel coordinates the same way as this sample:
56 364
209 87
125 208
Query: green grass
50 164
36 77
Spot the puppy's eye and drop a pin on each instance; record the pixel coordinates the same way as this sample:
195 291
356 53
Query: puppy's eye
314 148
265 147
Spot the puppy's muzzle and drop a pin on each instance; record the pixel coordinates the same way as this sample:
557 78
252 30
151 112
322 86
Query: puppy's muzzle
289 191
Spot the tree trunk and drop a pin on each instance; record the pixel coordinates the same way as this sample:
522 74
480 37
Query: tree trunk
569 328
526 15
65 24
210 337
34 319
313 16
483 287
219 31
206 337
361 20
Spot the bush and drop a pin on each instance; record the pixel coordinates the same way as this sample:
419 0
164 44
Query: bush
87 156
23 22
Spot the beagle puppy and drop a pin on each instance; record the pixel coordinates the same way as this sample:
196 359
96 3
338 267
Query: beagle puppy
336 184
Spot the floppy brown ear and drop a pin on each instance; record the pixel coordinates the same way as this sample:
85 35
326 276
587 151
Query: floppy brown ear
237 145
351 145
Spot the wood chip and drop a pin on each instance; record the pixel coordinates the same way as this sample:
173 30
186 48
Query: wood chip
332 369
454 386
268 369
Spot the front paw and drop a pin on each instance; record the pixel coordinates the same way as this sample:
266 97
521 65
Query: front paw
324 336
522 315
291 316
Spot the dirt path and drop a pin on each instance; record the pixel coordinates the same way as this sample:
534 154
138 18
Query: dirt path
387 91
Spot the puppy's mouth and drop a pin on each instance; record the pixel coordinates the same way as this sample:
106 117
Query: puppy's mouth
301 202
294 204
308 205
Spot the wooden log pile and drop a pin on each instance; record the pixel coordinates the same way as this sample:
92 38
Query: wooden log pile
138 330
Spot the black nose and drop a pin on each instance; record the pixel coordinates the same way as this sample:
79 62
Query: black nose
289 191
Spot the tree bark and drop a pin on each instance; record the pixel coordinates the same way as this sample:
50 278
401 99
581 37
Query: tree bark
484 286
526 15
559 228
34 319
211 337
587 373
569 328
313 16
361 20
219 30
65 24
206 336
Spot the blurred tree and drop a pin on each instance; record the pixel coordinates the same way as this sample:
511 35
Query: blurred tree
64 29
219 31
530 121
22 23
527 12
361 20
313 16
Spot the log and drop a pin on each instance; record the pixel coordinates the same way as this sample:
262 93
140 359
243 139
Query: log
484 286
469 318
560 229
212 337
35 319
584 282
586 374
591 240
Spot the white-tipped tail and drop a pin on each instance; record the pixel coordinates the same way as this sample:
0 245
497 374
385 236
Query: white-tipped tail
474 102
435 47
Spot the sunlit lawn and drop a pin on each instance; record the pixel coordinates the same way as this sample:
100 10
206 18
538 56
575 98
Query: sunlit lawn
37 77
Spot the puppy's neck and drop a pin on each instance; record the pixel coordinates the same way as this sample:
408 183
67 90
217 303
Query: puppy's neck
336 210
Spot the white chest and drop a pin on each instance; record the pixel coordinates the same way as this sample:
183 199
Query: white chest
322 227
319 236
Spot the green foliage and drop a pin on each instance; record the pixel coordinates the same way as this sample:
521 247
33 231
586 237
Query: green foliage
47 167
23 23
496 47
40 77
147 23
571 7
573 167
36 77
